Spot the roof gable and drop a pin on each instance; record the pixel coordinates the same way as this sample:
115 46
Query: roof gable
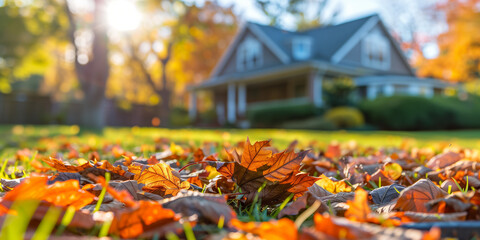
261 36
355 39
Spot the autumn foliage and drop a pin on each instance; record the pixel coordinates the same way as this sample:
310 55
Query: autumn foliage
247 191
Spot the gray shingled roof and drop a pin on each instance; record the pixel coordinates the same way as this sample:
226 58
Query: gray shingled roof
326 40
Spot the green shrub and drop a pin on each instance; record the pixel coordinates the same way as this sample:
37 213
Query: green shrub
466 112
179 117
315 123
338 91
408 113
345 117
208 117
274 114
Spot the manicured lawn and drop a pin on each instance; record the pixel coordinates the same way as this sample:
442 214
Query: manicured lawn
15 137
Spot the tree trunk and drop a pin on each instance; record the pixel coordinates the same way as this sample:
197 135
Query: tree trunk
93 75
93 111
165 93
164 107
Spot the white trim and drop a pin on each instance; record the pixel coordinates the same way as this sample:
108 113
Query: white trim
372 91
284 58
231 102
388 90
317 89
398 49
357 36
242 99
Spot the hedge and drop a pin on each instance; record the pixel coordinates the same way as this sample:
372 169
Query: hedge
276 113
419 113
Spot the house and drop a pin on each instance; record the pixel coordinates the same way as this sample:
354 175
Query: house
265 64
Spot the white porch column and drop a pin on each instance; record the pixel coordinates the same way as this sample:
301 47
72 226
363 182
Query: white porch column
428 91
372 92
314 88
388 90
192 107
242 99
317 90
231 106
414 90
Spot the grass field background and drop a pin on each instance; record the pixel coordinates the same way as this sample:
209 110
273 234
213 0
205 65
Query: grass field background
14 137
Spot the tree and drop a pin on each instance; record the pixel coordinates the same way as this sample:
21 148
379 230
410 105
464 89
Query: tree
180 47
23 28
459 57
305 13
91 67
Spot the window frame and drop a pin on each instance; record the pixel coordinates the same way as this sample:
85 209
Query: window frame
306 43
376 51
249 54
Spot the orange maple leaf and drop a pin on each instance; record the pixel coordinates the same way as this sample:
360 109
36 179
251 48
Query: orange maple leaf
358 208
160 178
283 229
104 164
60 166
283 164
327 225
255 156
132 222
63 194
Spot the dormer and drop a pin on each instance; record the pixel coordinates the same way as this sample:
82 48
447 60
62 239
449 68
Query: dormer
301 47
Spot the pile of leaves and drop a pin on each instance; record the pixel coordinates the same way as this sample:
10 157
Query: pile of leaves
240 191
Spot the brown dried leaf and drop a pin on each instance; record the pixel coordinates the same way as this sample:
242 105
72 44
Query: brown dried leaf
209 208
443 160
415 197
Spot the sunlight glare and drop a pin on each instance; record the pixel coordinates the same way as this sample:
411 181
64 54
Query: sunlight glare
123 15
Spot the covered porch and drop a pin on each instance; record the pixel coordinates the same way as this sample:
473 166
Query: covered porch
297 83
371 87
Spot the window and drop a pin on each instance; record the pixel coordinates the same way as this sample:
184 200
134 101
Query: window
249 55
301 48
376 51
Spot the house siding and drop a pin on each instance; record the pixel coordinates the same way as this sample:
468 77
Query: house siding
269 59
397 65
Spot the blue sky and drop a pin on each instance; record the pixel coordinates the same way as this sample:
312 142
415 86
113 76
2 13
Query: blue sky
349 8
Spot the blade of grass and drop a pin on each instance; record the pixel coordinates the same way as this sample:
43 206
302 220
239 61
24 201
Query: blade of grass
255 200
48 224
106 226
221 222
4 166
187 228
172 236
15 225
67 218
14 170
102 193
282 206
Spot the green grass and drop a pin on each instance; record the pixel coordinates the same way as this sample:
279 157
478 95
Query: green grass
28 136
